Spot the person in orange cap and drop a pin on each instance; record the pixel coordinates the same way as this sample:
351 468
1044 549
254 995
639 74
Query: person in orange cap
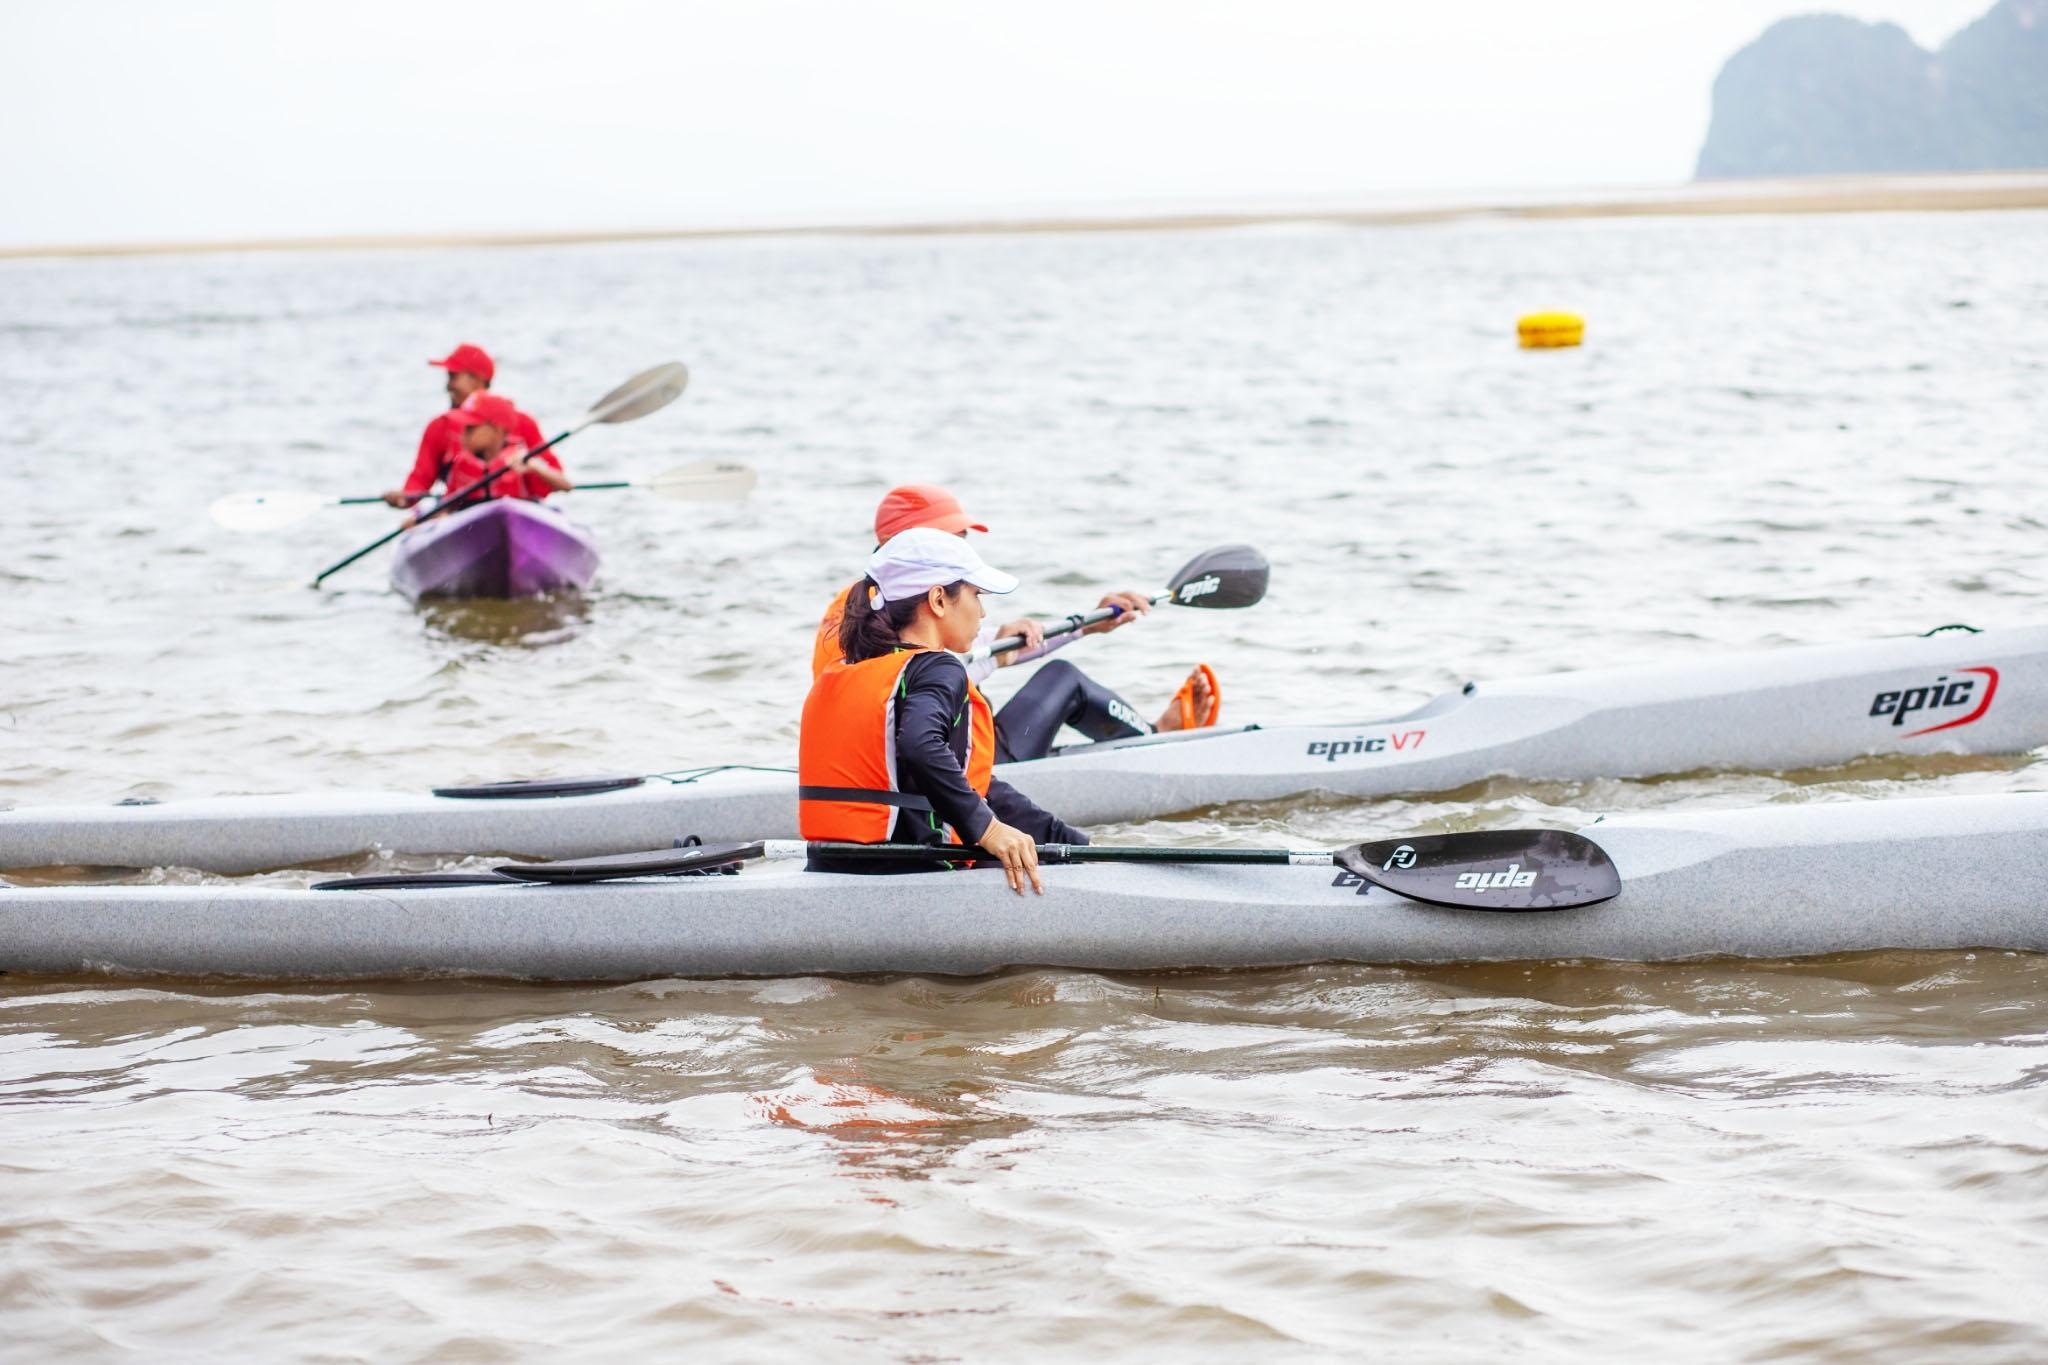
470 371
1059 694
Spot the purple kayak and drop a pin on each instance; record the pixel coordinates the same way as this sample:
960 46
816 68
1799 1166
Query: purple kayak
506 547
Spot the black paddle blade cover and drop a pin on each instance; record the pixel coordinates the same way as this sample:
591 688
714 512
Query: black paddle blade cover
1504 869
1227 576
410 881
659 862
533 788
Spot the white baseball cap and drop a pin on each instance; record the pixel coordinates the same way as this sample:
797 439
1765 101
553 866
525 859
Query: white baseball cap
924 557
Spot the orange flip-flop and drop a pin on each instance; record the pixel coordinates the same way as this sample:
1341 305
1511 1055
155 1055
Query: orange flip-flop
1186 699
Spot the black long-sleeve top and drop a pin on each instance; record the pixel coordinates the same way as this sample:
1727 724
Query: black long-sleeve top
931 760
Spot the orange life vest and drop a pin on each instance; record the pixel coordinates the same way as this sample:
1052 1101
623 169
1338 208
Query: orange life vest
825 650
846 751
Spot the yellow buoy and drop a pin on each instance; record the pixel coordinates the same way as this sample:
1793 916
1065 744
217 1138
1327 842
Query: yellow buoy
1539 331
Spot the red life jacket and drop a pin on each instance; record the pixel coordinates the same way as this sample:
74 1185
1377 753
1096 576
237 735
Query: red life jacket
441 447
846 751
465 469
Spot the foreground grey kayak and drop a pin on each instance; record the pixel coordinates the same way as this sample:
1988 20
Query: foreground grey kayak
1773 881
1767 710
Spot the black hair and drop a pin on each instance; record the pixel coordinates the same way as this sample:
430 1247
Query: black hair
867 633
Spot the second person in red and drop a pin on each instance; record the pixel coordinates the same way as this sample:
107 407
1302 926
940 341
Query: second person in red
470 371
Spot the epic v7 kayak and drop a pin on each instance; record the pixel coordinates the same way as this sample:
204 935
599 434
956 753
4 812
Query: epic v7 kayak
1787 880
1774 710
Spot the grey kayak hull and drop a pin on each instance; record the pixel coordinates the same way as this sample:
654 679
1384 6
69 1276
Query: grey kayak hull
1765 710
1774 881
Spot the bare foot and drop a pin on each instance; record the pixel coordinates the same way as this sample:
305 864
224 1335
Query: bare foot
1198 685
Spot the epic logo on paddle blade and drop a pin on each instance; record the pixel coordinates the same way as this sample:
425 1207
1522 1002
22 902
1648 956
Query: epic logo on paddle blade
1200 587
1511 876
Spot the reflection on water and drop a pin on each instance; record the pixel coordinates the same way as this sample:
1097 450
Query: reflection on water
531 622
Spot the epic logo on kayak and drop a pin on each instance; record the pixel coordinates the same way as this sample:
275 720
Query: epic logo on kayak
1942 694
1330 750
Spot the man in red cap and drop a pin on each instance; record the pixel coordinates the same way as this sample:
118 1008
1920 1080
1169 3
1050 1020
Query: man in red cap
470 372
1059 694
487 443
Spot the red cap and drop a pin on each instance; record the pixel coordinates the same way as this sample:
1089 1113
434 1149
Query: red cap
920 504
481 409
468 359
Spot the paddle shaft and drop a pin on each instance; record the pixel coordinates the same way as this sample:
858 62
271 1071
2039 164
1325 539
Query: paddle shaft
445 505
1067 627
1227 576
1056 853
1490 876
1489 870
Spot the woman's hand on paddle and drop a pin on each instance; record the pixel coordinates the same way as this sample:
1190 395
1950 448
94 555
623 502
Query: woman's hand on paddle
1131 605
1018 852
398 497
1033 633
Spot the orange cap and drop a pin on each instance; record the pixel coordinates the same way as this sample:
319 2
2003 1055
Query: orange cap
920 504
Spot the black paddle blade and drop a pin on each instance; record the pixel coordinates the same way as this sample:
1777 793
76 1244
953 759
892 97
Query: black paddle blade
660 862
1503 869
1227 576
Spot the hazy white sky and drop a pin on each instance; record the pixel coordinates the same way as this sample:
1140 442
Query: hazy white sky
125 120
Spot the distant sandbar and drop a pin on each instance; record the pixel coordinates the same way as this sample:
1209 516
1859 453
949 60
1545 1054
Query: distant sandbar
1830 194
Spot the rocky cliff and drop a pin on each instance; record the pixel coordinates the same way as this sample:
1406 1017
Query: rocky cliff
1822 94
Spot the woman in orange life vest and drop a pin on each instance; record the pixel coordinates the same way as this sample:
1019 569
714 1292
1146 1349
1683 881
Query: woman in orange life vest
1059 694
897 744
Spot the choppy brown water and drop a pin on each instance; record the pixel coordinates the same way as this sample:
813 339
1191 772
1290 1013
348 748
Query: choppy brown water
1782 431
1838 1160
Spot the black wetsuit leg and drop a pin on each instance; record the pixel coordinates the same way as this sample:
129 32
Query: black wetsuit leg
1061 694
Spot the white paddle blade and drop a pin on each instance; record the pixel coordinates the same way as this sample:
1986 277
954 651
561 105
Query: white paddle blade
649 391
705 481
265 511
